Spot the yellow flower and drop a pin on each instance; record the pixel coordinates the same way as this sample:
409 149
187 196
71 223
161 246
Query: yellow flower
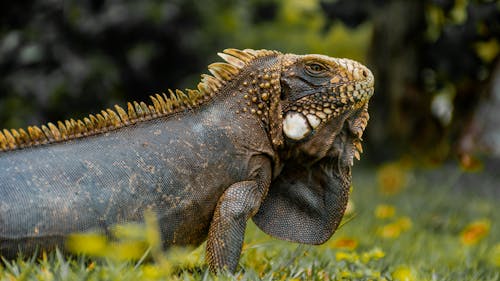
350 257
345 243
127 250
91 266
92 244
475 232
384 211
404 223
374 254
345 275
389 231
403 273
152 271
392 178
393 230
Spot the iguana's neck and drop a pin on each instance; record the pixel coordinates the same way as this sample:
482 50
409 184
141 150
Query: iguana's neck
241 75
256 93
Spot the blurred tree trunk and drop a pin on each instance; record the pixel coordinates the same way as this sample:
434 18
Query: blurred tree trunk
400 107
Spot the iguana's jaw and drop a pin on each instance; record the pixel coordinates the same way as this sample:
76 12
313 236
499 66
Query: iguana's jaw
339 140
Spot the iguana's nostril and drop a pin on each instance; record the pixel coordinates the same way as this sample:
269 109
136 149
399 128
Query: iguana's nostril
364 73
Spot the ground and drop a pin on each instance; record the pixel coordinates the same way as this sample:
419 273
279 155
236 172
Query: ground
402 223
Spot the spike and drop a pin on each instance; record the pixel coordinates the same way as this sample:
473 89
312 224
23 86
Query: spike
76 128
162 103
209 85
36 134
183 99
222 71
3 142
62 130
204 89
69 128
88 124
205 78
253 52
152 110
24 136
54 131
95 122
168 104
225 68
174 99
101 121
131 112
81 127
32 134
11 142
47 133
260 53
181 96
108 123
145 109
10 139
16 136
193 96
156 104
138 110
115 120
123 115
74 124
242 55
232 60
105 116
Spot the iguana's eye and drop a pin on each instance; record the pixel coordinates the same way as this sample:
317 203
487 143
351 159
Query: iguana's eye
315 68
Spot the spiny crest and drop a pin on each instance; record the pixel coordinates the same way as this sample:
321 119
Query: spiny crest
224 72
162 105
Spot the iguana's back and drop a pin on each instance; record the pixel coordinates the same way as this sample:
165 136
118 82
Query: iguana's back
177 166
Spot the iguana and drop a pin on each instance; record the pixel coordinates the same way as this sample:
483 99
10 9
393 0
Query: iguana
268 136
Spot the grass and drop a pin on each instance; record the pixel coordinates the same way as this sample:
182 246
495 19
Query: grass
401 224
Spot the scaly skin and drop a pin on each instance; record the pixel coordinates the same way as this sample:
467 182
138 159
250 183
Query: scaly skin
270 136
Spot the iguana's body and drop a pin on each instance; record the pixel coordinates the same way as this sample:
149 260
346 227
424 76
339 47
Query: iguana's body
204 163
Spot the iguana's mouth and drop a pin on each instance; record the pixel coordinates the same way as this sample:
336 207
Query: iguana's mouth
299 125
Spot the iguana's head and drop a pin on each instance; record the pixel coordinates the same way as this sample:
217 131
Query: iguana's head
296 95
321 93
307 101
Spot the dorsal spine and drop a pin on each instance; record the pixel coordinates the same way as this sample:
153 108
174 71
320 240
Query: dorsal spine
161 106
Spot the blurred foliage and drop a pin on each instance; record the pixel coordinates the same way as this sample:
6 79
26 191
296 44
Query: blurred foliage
432 59
137 242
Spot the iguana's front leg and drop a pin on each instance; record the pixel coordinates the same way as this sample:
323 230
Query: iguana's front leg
236 205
